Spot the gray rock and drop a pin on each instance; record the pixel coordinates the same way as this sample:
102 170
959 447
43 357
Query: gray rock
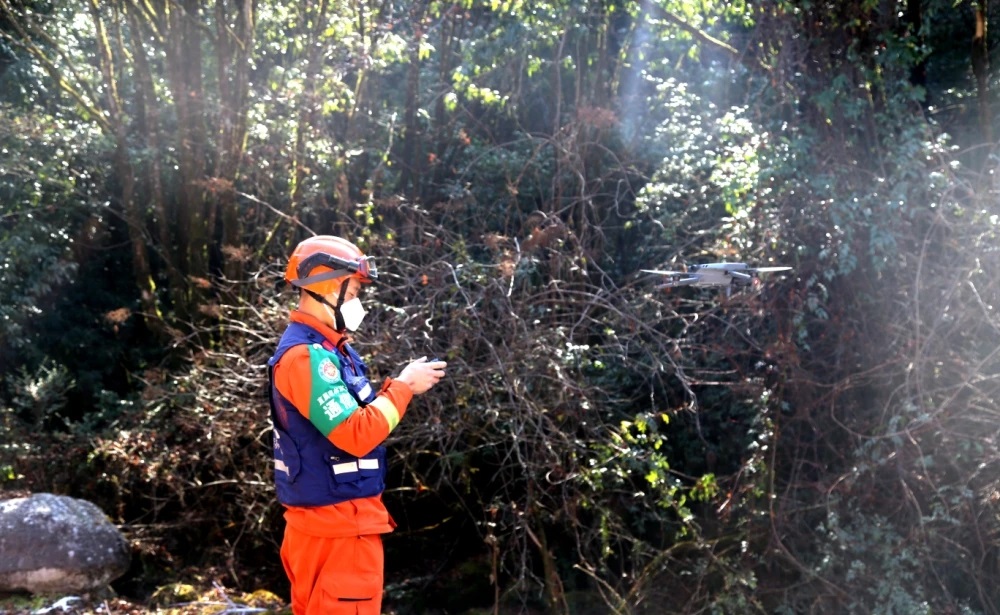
58 544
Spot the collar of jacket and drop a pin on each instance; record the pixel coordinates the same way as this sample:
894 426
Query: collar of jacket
311 321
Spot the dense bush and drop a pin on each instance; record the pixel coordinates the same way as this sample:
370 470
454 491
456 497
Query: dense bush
823 443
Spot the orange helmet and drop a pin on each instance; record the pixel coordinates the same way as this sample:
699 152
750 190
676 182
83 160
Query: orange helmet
319 262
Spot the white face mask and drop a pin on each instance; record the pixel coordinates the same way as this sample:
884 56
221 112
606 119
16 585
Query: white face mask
353 313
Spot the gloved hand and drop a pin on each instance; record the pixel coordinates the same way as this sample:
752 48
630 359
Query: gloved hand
421 375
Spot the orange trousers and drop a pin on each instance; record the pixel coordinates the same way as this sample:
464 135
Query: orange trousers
334 576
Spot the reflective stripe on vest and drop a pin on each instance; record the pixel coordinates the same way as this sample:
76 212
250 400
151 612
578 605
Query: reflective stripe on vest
355 466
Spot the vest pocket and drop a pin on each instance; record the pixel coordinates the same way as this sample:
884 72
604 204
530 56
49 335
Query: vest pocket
354 470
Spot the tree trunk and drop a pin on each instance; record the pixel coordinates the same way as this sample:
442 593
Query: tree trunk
915 24
981 70
149 131
183 60
410 165
233 55
126 174
442 136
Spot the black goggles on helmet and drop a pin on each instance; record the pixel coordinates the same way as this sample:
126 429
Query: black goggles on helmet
363 267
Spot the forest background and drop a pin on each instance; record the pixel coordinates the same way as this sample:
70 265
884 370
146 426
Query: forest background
825 443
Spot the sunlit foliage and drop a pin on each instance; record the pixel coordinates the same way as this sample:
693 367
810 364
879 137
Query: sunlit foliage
825 442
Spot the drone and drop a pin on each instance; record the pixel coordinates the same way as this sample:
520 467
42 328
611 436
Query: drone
727 275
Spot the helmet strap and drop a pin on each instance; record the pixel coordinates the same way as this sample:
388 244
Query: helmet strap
339 324
340 301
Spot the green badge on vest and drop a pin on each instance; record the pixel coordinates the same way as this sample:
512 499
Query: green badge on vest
330 403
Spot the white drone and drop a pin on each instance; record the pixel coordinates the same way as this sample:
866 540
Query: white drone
728 275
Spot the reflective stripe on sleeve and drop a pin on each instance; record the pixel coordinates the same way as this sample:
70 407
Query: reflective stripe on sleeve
388 410
279 466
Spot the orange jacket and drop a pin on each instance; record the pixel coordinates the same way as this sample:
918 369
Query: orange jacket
362 431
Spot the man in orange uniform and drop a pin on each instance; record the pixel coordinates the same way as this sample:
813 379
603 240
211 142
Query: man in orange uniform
329 425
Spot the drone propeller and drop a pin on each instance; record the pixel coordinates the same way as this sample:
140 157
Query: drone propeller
661 272
770 269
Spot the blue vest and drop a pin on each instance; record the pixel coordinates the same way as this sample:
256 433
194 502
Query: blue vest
308 469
